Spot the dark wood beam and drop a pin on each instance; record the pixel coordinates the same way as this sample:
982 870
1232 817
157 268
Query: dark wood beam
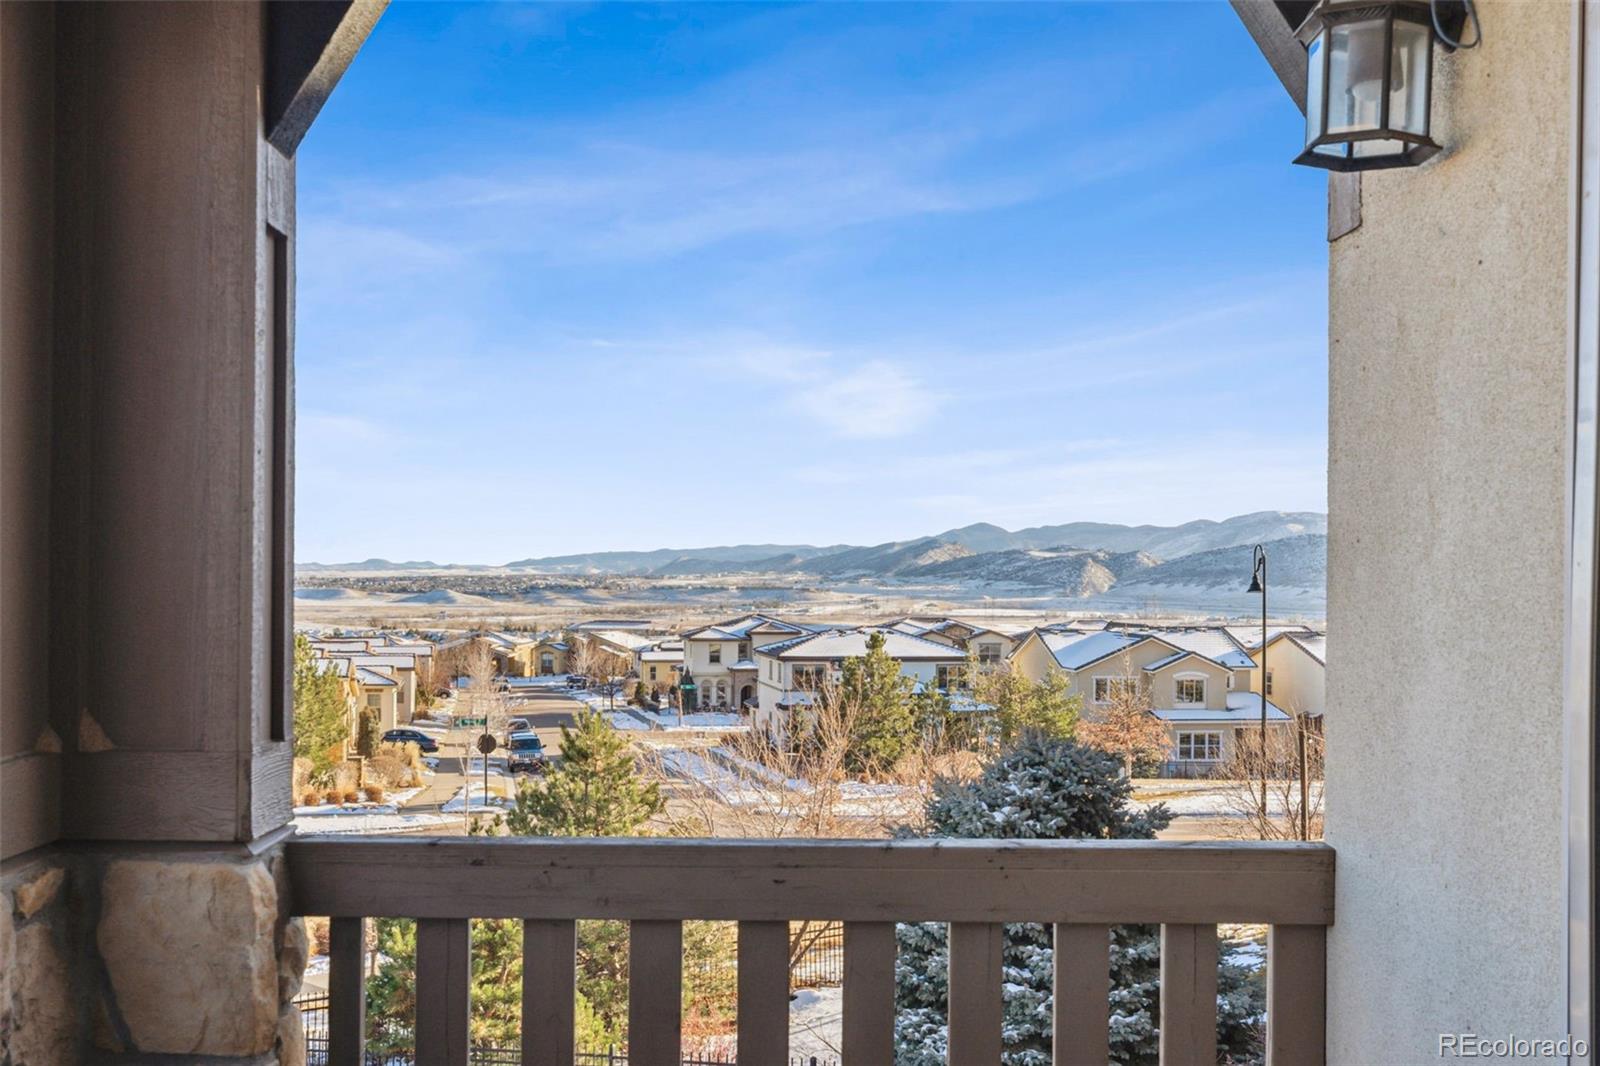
1268 25
310 44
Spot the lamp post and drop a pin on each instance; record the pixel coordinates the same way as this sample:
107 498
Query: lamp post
1258 583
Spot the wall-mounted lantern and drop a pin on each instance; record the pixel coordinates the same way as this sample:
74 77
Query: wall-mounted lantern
1369 74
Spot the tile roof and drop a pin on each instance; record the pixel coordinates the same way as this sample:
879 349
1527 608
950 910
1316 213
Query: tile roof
1242 707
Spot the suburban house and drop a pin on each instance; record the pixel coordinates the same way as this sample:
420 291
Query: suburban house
719 658
152 889
991 646
550 656
1296 676
659 666
1196 681
790 672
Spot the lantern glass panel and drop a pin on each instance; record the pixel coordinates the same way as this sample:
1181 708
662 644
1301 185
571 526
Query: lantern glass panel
1314 87
1372 149
1408 86
1356 64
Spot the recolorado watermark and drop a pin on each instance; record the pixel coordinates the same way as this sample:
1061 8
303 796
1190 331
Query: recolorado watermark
1473 1046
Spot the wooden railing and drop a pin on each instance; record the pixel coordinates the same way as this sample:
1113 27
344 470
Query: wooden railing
1083 888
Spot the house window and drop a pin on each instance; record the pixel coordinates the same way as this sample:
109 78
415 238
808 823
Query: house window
374 699
1191 690
652 673
716 653
744 650
947 677
808 677
988 654
1107 689
1199 747
1269 683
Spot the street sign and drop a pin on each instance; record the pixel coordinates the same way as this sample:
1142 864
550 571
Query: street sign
466 723
487 743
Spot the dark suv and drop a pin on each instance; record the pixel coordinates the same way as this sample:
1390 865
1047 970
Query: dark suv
525 752
412 736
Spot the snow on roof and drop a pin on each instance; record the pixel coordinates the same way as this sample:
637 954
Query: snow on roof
1249 637
1214 643
743 664
1073 651
396 662
739 628
1316 645
852 643
661 655
612 623
374 679
621 638
1242 707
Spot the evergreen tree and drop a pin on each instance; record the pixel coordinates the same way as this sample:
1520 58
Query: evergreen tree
1048 788
594 789
1025 708
883 720
321 725
367 734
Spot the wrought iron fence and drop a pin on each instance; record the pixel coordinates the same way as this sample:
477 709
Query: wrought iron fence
314 1017
819 955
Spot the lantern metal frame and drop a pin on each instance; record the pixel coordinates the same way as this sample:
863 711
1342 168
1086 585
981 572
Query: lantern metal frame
1420 146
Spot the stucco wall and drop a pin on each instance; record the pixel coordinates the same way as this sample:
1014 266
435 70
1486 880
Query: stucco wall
1448 424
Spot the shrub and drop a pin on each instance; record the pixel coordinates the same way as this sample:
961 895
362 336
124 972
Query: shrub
374 793
333 796
318 930
310 798
352 796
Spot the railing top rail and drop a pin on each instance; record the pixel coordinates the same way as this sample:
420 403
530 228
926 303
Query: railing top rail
853 880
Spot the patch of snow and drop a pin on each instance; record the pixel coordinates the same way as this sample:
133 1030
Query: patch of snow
816 1023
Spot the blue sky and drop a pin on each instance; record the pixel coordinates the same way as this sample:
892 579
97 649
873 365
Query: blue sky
613 276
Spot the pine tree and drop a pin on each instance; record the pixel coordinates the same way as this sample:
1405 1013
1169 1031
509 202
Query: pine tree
367 734
883 719
1026 708
321 725
1046 788
594 790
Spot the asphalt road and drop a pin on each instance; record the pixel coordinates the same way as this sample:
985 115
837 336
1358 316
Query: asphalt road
546 712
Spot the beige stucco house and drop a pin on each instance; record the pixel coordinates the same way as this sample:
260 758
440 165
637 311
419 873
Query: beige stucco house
720 658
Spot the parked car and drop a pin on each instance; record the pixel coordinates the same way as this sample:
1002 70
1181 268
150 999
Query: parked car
577 681
411 736
517 725
525 752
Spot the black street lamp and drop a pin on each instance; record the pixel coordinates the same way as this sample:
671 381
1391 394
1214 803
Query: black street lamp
1258 583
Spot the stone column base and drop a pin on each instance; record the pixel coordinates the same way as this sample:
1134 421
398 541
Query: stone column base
149 952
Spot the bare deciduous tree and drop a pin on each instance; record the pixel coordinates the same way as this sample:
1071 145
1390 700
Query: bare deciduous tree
1279 818
1121 723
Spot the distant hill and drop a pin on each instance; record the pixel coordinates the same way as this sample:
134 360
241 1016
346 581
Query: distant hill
1076 555
1292 562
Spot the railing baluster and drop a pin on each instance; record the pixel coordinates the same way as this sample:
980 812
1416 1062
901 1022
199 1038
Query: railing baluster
655 993
763 994
347 992
1297 964
1082 1021
975 1005
868 993
1188 995
549 959
443 985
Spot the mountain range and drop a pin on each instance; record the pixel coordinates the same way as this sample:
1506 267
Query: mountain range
1079 558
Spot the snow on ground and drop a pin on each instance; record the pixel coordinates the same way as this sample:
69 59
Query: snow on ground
624 720
1211 798
695 720
739 782
308 822
470 798
816 1024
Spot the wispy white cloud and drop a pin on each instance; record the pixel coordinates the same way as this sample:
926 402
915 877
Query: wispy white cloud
874 400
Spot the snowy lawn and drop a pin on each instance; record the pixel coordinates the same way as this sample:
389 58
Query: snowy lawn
816 1023
669 720
307 822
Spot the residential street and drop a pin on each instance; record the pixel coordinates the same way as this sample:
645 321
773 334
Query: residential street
546 710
